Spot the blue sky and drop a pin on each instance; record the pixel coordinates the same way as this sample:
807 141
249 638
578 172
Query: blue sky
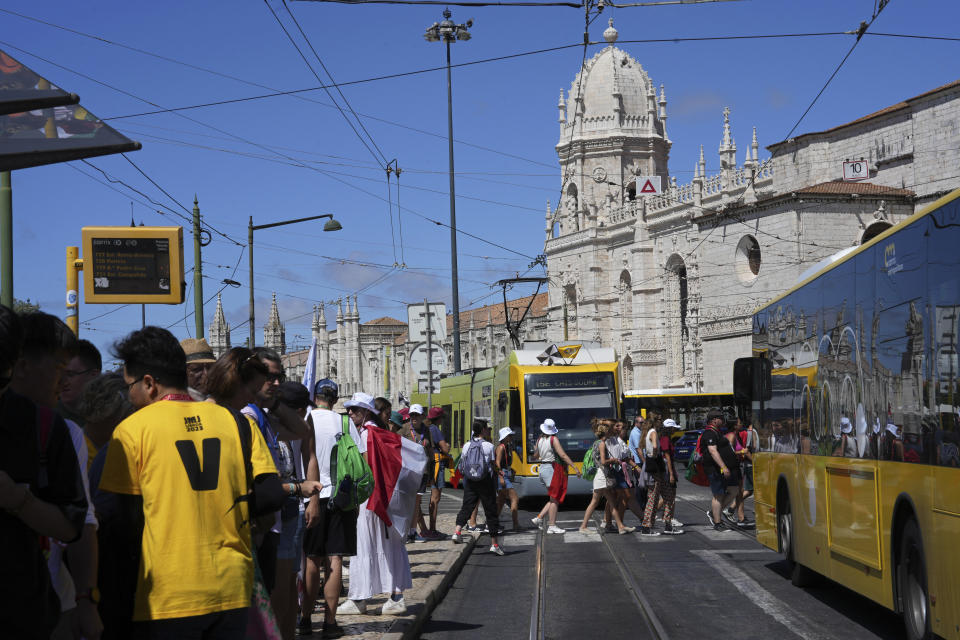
505 120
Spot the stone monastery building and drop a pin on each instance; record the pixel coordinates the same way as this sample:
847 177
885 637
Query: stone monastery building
669 281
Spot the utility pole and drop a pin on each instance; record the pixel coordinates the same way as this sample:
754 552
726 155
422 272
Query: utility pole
450 32
197 271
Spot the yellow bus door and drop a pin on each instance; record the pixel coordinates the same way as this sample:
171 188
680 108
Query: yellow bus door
853 524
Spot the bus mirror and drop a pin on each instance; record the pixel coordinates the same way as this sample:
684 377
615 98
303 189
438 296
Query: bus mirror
751 380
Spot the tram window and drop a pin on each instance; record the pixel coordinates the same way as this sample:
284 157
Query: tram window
463 422
445 422
457 443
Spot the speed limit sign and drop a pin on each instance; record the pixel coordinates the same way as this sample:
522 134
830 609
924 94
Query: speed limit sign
855 170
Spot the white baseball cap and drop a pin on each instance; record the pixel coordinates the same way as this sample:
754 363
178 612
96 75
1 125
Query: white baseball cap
506 431
416 408
362 400
669 423
549 427
892 428
845 426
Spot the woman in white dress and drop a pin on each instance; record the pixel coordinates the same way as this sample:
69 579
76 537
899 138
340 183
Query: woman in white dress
381 564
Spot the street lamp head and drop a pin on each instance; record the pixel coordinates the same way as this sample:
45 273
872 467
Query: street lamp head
463 34
332 225
432 34
469 23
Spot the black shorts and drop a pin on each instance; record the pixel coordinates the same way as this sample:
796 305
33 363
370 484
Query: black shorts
334 535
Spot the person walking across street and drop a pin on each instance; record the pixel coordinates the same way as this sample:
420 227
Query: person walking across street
441 457
553 474
186 467
422 435
668 488
721 465
506 476
480 476
605 481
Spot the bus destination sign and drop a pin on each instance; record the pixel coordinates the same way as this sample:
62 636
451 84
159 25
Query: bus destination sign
581 380
133 264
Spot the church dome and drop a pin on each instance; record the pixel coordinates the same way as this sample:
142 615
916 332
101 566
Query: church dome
615 96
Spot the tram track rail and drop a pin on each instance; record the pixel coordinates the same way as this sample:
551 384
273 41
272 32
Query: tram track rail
538 605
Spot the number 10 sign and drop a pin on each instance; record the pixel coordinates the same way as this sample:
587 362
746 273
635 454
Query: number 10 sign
856 170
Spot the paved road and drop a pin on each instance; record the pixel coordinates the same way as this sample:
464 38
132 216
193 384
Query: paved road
701 584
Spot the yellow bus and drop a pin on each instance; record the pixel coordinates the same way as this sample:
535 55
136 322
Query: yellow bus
521 392
685 406
853 387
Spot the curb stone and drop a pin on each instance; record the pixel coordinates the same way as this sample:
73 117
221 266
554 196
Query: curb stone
408 628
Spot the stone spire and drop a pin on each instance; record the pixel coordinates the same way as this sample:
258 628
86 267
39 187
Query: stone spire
562 108
323 345
755 147
219 331
702 164
663 112
728 148
274 333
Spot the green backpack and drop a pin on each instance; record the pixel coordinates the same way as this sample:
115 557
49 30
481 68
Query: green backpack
591 461
352 478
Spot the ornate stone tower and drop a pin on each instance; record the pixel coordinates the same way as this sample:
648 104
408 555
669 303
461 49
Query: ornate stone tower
322 336
612 128
274 333
219 331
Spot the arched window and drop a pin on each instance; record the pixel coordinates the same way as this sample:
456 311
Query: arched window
676 299
628 373
570 310
625 291
747 259
873 231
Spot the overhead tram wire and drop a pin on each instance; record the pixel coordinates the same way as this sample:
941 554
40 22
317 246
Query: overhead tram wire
403 74
264 148
381 160
334 82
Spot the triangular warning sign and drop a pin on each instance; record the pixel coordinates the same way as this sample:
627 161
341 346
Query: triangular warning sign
648 187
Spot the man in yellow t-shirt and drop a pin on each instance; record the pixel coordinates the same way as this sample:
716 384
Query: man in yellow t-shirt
185 462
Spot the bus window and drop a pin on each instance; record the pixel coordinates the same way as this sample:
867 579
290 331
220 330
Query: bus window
445 422
463 426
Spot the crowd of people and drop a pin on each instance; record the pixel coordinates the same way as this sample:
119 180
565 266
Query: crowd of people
181 495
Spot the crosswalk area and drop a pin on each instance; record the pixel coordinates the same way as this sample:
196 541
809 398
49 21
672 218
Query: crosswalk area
528 537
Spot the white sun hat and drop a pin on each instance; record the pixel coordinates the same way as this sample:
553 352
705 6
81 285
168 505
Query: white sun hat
362 400
416 408
845 426
506 431
549 427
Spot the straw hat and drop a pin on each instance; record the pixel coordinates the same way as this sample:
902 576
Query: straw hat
197 350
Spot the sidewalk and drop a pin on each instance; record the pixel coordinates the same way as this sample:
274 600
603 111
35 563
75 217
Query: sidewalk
434 566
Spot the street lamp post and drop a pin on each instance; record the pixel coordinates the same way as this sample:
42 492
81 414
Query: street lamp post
449 32
330 225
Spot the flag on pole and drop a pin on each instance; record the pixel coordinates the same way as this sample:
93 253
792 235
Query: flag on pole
570 351
310 373
397 464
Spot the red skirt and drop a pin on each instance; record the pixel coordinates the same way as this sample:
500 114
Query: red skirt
558 484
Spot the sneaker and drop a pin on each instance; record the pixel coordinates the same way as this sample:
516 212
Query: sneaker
419 538
473 527
332 630
352 608
627 530
647 531
304 627
728 512
710 518
393 607
610 528
456 537
433 536
497 549
670 530
412 537
537 522
555 529
483 529
676 524
744 524
719 527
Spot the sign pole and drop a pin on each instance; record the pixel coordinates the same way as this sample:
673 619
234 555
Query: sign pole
73 290
6 240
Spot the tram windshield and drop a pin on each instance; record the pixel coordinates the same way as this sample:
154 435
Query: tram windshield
571 400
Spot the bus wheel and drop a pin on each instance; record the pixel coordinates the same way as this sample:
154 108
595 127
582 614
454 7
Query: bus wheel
912 575
800 576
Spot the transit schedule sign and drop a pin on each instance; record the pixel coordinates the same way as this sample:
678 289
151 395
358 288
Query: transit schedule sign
141 265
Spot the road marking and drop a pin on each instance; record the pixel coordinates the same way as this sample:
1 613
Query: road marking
519 540
452 496
769 603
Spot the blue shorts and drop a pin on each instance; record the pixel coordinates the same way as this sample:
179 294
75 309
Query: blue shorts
719 484
291 531
507 482
440 482
620 479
